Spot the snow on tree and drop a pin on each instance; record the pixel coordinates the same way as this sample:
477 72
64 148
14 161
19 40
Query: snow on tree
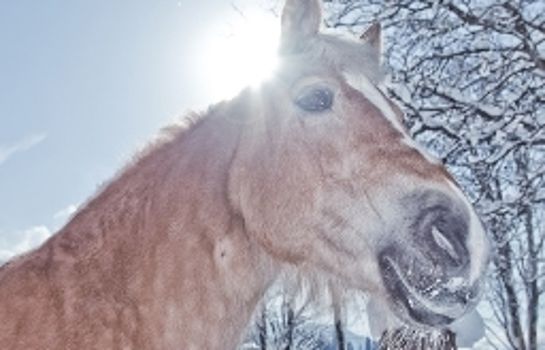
470 75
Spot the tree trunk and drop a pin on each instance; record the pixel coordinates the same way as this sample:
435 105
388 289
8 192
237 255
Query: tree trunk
505 269
530 274
338 319
531 281
262 327
339 333
290 323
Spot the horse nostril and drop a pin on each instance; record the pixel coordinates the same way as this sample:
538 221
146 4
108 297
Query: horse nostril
447 235
441 224
444 243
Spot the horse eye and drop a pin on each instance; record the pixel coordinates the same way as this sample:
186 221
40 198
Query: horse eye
315 99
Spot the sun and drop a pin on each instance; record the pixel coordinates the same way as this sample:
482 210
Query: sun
244 55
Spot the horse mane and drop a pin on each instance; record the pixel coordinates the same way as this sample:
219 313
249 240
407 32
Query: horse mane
175 131
128 178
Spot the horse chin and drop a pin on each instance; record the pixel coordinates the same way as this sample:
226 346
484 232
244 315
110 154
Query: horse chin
423 297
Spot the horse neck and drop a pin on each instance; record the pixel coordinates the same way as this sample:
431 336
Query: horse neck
164 235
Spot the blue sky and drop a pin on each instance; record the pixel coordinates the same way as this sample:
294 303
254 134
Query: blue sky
83 85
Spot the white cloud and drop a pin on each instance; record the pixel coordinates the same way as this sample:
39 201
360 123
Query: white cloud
22 241
27 240
7 151
64 214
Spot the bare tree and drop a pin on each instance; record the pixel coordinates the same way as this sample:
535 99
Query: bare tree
284 324
470 75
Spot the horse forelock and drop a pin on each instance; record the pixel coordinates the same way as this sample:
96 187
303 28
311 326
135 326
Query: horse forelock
337 53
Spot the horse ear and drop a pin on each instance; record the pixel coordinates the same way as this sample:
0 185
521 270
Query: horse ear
373 37
300 21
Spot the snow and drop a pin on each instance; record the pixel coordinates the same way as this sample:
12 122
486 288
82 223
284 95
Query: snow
469 329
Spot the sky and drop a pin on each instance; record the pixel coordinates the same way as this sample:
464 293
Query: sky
85 84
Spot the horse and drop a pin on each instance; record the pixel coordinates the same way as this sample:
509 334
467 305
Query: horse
313 171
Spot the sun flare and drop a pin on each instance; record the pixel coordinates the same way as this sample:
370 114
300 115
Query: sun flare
244 55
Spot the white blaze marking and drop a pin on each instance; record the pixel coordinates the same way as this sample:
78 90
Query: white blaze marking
376 97
370 91
477 242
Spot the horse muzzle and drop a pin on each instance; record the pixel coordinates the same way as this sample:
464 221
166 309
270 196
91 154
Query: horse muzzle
427 275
